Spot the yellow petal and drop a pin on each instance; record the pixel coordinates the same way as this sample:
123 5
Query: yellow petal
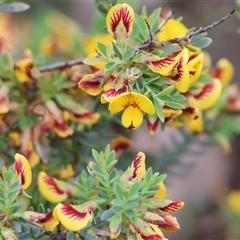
22 167
48 222
233 200
162 191
53 190
208 95
163 66
138 166
91 84
89 117
132 117
71 218
66 172
172 29
120 14
224 71
195 65
23 70
173 206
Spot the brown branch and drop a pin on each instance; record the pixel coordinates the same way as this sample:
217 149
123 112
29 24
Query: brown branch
145 46
61 65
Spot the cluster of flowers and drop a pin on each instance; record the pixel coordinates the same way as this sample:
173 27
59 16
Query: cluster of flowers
126 83
147 223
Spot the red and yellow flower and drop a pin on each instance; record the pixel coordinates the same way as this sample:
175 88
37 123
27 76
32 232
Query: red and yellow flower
120 19
54 190
133 104
23 168
74 217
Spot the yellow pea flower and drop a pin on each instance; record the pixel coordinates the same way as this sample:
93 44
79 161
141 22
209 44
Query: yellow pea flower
133 104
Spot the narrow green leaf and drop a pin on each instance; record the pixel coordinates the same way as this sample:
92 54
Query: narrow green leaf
158 107
199 37
171 48
116 209
135 188
117 202
17 227
118 191
165 91
107 215
130 213
102 48
117 50
94 60
203 43
128 54
175 105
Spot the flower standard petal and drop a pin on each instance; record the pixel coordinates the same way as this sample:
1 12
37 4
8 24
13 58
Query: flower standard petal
143 103
132 117
119 103
52 189
120 14
224 71
74 218
138 166
22 167
208 95
91 84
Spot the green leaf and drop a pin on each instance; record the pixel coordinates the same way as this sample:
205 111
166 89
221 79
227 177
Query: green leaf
14 7
130 213
158 107
135 188
117 50
94 60
102 48
95 155
117 202
165 91
115 222
131 205
116 209
118 191
70 236
17 227
175 105
107 215
103 9
202 43
171 48
199 37
128 54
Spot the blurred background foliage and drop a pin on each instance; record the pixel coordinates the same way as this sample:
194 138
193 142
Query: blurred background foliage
203 176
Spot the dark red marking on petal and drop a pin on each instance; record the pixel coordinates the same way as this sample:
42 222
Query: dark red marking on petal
52 183
152 237
47 218
153 126
61 126
217 72
68 210
136 165
121 14
178 77
87 115
172 207
163 62
20 169
206 89
113 93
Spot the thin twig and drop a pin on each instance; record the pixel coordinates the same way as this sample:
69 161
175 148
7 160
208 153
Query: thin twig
149 31
61 65
145 46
